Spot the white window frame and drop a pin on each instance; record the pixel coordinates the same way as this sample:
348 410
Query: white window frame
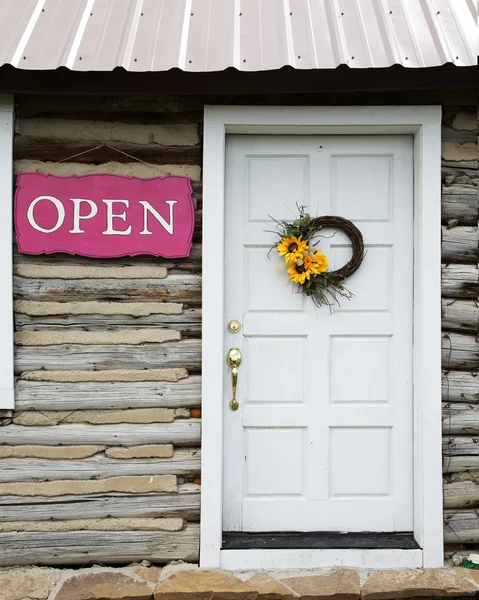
424 123
6 253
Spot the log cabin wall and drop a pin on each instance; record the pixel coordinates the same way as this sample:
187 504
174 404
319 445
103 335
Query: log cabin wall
101 458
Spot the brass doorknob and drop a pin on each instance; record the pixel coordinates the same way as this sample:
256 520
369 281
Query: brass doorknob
234 358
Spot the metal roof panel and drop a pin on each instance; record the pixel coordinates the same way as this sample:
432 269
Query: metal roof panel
250 35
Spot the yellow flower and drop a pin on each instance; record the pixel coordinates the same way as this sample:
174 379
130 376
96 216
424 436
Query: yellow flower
292 248
319 262
300 270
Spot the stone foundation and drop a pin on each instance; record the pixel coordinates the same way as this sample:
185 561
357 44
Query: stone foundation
184 581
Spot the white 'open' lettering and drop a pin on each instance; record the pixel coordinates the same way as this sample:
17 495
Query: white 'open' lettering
147 208
77 216
110 216
60 214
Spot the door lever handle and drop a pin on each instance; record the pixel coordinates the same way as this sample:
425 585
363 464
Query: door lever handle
234 358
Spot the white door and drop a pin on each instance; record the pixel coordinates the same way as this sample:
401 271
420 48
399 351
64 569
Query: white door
322 439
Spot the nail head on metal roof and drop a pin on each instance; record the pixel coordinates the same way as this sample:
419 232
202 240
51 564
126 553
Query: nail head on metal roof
24 58
190 61
407 58
241 14
299 56
135 60
290 14
79 58
244 59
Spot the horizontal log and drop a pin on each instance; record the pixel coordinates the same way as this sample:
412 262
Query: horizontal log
128 169
456 445
461 526
182 432
460 464
449 134
192 264
175 288
459 352
459 202
28 147
186 353
36 395
461 490
460 419
460 315
459 281
460 386
188 323
185 504
106 131
109 547
460 245
183 462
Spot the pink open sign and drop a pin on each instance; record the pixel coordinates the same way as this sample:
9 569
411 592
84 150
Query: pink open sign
104 216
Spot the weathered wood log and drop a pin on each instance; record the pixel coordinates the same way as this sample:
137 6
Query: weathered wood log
175 288
460 386
185 504
461 526
459 352
36 395
460 281
459 464
182 432
461 490
107 547
448 134
460 245
183 462
460 202
190 264
32 148
456 445
460 315
127 169
66 357
188 322
460 419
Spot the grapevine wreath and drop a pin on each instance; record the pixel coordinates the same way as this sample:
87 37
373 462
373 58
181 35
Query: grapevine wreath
308 266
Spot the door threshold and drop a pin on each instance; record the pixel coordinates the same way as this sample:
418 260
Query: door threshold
292 559
311 540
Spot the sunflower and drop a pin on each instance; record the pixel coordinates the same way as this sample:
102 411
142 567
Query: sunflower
319 262
292 248
300 270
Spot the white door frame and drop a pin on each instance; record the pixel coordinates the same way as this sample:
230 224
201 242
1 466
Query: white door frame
424 123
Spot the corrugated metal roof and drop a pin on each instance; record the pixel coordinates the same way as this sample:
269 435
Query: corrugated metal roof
250 35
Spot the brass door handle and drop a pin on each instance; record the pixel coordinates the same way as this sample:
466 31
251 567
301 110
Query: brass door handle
234 358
